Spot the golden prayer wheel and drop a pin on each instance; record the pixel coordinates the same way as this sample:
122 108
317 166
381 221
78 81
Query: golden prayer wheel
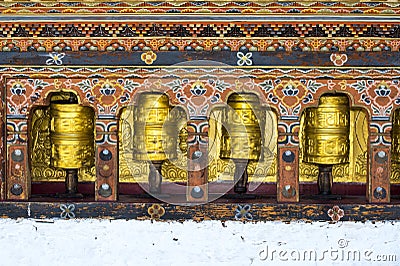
72 136
154 131
396 136
155 137
241 138
326 136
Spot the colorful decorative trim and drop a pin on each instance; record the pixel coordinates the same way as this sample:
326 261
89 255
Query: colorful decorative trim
193 28
200 36
198 7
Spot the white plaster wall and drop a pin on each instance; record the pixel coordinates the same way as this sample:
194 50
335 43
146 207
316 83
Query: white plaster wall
120 242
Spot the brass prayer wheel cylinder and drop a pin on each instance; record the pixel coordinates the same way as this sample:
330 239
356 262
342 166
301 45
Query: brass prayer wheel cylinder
71 136
326 131
396 136
241 136
155 131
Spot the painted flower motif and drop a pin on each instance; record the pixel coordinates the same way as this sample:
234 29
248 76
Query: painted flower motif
290 90
196 95
261 43
156 211
289 44
335 213
243 212
107 89
198 89
369 43
107 92
244 59
379 94
55 58
208 42
338 59
148 57
343 44
382 90
290 94
67 211
18 89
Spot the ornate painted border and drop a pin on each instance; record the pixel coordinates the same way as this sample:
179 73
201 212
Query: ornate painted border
196 7
261 33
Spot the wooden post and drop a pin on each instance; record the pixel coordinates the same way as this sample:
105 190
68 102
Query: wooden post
18 183
197 183
106 185
379 174
288 174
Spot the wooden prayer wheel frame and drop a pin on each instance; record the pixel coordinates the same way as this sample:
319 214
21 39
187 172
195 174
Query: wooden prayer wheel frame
199 55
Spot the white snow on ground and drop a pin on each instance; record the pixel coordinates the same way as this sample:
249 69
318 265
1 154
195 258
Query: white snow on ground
119 242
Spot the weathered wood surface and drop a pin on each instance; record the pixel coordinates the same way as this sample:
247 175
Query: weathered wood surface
213 211
169 58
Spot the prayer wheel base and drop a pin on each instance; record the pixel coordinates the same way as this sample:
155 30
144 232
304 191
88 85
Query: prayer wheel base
325 179
240 176
155 177
71 185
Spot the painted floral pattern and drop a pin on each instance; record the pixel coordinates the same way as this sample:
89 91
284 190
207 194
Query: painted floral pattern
290 95
55 58
197 95
338 59
148 57
156 211
67 211
379 95
106 93
243 212
336 213
22 93
244 59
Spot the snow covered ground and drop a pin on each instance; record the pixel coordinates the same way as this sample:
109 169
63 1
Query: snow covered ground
119 242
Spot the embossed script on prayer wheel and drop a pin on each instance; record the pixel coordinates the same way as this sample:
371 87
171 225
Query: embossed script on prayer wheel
396 136
72 136
241 137
154 138
326 131
156 135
